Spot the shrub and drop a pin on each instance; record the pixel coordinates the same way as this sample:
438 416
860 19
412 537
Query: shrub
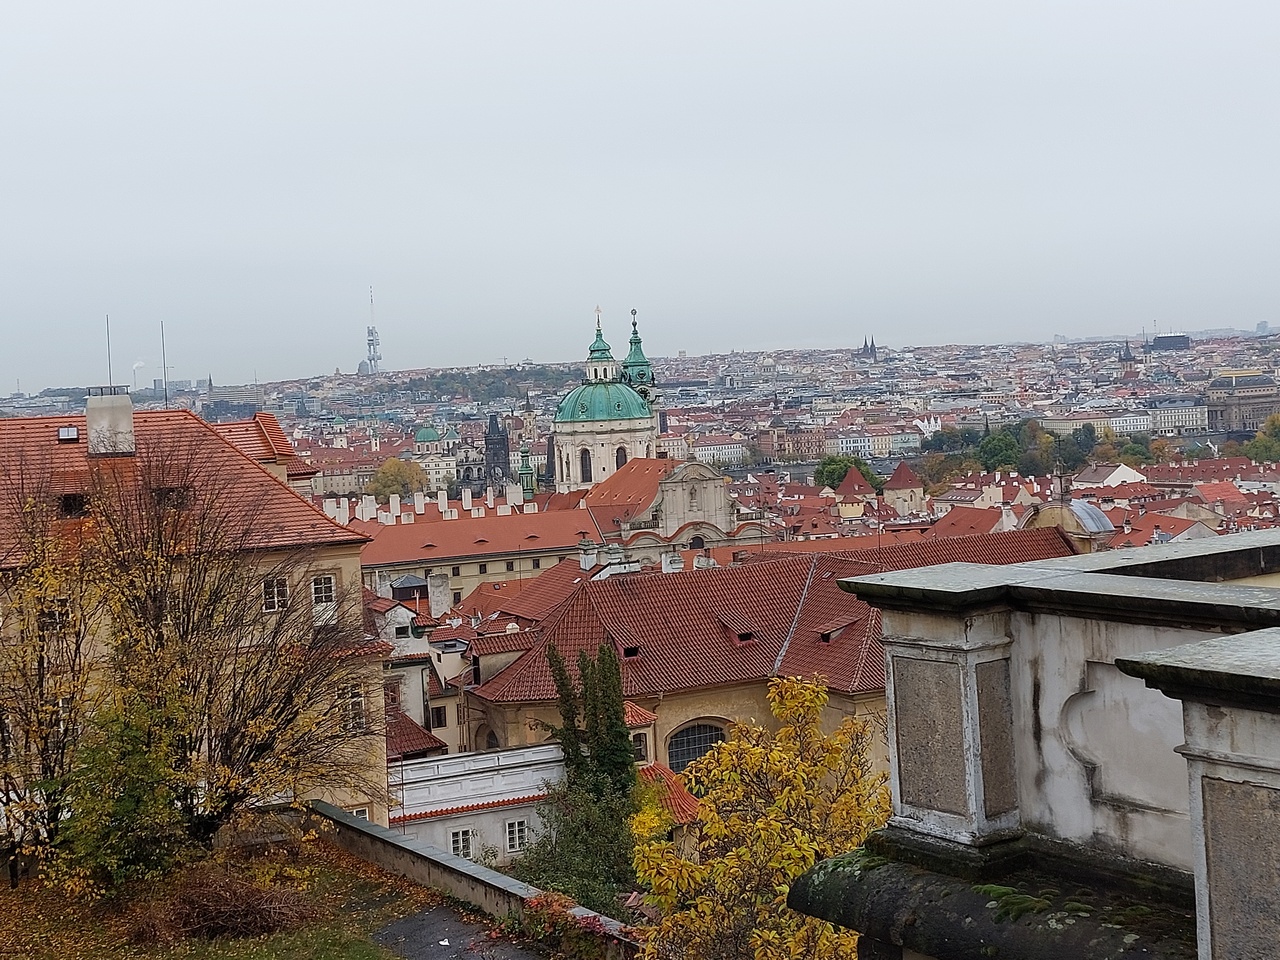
214 900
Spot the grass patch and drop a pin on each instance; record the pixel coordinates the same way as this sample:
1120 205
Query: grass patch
350 898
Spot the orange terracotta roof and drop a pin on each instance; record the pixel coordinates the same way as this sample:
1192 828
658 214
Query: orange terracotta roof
854 484
727 625
628 493
636 715
673 795
904 478
466 537
965 521
248 492
468 807
406 738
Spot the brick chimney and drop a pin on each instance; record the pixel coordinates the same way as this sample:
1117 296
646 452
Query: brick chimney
109 417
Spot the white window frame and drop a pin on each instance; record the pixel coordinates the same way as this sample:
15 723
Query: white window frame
324 598
462 842
360 813
517 835
275 594
351 701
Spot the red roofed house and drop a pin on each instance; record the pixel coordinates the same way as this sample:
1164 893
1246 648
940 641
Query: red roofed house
904 490
698 647
241 472
472 549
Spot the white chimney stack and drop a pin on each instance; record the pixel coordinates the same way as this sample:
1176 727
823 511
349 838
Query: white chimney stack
109 418
466 498
393 504
419 502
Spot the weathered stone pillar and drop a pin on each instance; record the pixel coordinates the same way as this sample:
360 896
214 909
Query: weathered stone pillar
951 724
1230 693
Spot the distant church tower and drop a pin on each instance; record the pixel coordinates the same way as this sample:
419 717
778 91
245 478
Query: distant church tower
497 453
606 421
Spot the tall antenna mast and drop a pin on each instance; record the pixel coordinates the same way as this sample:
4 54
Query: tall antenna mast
164 366
110 379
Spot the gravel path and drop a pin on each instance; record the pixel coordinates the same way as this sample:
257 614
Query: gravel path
441 934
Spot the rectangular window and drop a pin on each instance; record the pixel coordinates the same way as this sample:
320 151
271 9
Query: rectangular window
461 842
351 705
511 565
439 718
455 571
322 591
640 744
402 632
275 594
517 835
537 563
484 568
360 813
391 692
457 596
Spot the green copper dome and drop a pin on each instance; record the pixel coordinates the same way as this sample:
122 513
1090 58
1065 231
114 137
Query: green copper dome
426 435
602 401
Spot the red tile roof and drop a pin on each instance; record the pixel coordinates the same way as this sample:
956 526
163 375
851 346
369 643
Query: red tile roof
628 493
211 464
854 484
728 625
636 715
406 738
490 535
468 807
673 795
904 478
964 521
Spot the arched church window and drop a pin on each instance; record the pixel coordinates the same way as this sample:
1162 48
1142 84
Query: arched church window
584 461
691 743
621 457
697 543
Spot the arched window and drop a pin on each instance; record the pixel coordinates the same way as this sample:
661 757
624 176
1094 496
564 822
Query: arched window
691 743
491 741
621 457
584 461
696 543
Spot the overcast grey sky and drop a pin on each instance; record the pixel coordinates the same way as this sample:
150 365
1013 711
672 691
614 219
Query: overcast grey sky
746 175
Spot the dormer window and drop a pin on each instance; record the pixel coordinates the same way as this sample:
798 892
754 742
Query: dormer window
746 637
69 434
73 505
173 498
630 653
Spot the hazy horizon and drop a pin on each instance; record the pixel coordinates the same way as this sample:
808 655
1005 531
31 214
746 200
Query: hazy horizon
748 177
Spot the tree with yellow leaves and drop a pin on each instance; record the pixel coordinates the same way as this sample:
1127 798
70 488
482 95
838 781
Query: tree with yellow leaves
771 804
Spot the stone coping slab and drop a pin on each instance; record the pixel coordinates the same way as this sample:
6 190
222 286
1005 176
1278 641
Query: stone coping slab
1027 914
1242 670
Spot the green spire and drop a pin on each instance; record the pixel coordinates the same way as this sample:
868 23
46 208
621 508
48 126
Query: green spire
527 482
636 369
599 349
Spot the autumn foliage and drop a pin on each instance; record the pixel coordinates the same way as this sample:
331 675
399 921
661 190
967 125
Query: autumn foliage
772 803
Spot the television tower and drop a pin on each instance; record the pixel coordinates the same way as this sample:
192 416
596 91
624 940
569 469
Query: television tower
375 354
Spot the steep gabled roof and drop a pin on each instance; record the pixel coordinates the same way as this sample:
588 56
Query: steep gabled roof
854 484
628 493
904 478
727 625
177 440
